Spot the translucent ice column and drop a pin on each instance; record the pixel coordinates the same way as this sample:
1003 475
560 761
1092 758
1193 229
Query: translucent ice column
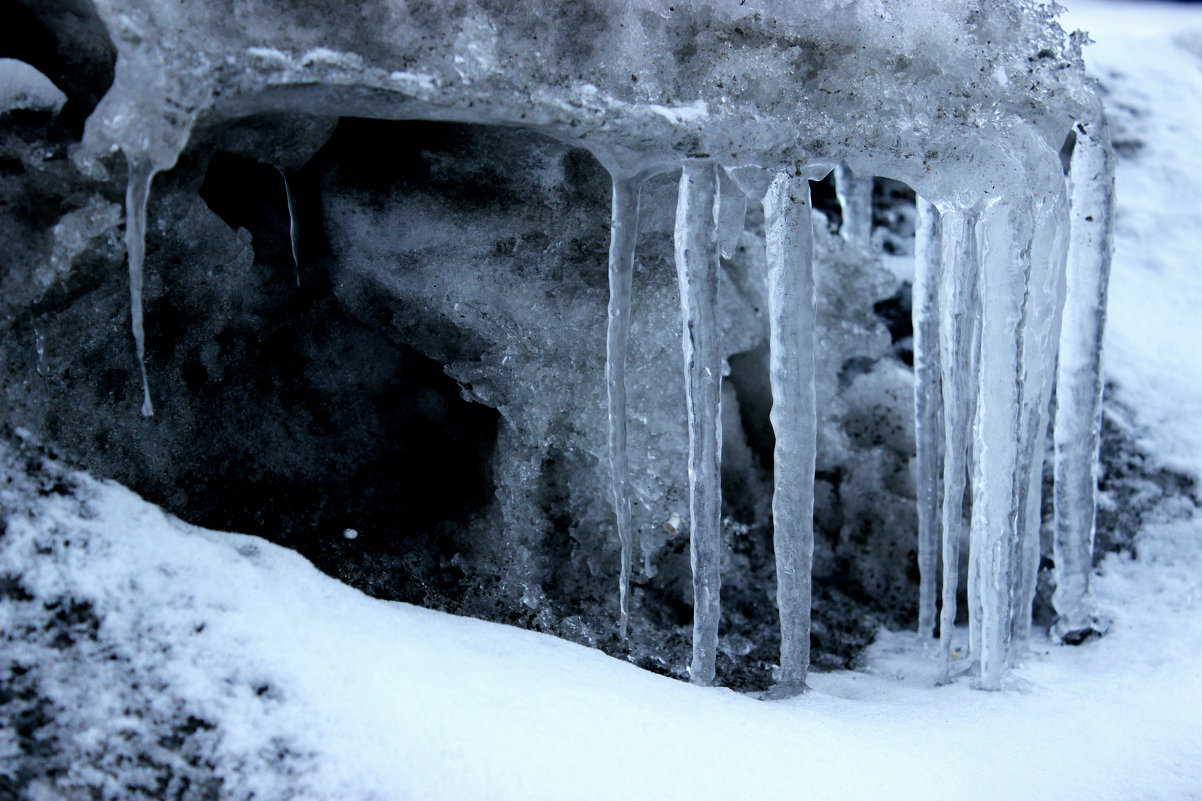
623 234
959 312
1079 379
791 316
1040 339
697 268
1006 230
928 407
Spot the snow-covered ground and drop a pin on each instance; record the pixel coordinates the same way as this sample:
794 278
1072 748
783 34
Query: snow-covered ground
292 685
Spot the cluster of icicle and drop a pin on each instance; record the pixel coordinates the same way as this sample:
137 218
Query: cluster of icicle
974 267
1047 258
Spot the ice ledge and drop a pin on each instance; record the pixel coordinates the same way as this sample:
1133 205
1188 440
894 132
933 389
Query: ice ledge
930 93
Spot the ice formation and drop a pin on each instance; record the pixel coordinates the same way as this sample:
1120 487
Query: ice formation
624 225
293 224
928 414
137 195
794 413
1079 377
969 104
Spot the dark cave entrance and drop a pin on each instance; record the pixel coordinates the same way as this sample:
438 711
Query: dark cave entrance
303 422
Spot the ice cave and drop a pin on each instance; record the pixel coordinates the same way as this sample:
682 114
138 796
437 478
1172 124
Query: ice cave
728 338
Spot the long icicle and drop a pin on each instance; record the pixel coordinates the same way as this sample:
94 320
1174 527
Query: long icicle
697 268
1005 242
959 310
791 316
293 224
137 195
624 226
1080 381
1049 250
928 407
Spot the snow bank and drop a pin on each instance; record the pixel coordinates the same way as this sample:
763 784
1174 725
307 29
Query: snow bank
312 690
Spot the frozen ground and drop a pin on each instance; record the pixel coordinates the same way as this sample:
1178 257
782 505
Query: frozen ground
292 685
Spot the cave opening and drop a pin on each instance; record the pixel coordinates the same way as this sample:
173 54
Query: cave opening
304 424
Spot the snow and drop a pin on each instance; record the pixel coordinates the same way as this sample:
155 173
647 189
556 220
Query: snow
693 112
392 701
385 700
1155 95
23 87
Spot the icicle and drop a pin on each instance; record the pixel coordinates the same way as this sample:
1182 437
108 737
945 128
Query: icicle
697 269
959 311
137 195
293 225
623 234
855 202
974 557
1005 242
928 407
1042 332
791 315
1079 381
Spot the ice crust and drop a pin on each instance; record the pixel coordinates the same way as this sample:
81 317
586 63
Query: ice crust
968 104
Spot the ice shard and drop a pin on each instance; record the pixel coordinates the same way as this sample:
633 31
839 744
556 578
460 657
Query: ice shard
855 202
959 311
1005 236
791 316
137 195
624 225
697 266
1080 380
293 224
928 407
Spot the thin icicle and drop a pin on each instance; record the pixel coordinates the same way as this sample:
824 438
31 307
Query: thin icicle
1080 381
623 235
137 195
1005 242
928 407
293 224
959 311
791 316
974 557
855 203
697 268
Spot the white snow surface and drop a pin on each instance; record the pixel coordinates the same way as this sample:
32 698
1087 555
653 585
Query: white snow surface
390 701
